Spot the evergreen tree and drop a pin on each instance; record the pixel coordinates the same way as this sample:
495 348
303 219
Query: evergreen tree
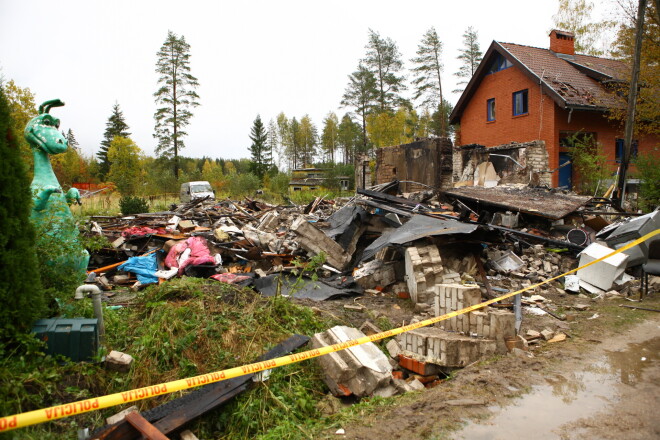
116 126
259 149
349 138
329 136
470 56
384 61
176 97
308 140
294 147
71 139
361 94
20 287
427 71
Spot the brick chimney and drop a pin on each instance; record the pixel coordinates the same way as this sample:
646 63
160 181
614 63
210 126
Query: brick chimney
562 42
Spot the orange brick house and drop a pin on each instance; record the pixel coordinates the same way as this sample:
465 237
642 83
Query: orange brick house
522 93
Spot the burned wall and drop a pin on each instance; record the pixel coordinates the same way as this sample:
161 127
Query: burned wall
525 163
427 161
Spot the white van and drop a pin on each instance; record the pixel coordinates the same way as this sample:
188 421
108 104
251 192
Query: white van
196 190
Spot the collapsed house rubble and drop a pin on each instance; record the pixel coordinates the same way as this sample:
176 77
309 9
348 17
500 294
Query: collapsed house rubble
443 250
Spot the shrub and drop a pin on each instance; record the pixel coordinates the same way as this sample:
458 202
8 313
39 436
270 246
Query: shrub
20 289
648 171
133 205
244 185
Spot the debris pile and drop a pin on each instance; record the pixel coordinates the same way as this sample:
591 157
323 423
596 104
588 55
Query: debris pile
443 251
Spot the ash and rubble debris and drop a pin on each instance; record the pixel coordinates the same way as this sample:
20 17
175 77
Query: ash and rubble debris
381 244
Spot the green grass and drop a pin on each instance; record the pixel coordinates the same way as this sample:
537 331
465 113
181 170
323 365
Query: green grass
182 328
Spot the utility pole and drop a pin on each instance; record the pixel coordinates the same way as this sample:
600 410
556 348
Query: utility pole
632 101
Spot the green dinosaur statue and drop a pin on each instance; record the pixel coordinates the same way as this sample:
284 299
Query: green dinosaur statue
51 212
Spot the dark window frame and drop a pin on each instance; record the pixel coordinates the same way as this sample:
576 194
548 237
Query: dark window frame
500 62
524 103
490 110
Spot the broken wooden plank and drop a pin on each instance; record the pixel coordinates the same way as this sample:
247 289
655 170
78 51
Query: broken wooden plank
148 431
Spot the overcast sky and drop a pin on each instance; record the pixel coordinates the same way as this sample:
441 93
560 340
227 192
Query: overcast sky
253 57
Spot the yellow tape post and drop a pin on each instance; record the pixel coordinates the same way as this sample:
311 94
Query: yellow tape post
69 409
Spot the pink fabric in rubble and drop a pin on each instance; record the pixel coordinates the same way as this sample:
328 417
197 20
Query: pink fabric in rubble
199 254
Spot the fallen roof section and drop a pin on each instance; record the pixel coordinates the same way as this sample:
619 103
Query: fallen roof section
535 201
419 226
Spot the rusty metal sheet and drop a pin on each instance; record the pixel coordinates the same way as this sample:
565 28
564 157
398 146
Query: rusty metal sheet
535 201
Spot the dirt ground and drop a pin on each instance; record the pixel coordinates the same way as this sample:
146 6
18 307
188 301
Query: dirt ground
601 382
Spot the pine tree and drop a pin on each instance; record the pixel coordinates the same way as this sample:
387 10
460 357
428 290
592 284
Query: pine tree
176 96
71 140
259 151
470 57
361 94
427 71
349 138
308 140
116 126
20 286
293 148
384 62
329 136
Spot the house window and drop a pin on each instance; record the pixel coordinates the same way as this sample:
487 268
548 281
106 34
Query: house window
490 109
618 152
499 63
520 103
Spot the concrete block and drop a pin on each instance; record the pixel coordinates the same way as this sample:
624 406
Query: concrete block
313 240
360 369
118 361
416 385
375 273
393 347
369 328
503 327
547 334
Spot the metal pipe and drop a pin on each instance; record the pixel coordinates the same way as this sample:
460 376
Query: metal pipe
98 312
86 288
508 157
96 302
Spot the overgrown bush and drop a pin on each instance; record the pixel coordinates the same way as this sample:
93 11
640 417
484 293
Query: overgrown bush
589 161
648 171
20 288
57 257
242 185
279 183
133 205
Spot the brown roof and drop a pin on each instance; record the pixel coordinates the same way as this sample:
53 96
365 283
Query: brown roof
573 81
571 77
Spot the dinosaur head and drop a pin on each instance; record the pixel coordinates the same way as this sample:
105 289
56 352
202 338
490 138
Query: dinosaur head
43 132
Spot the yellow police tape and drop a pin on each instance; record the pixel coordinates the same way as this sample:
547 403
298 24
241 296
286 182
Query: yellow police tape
69 409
